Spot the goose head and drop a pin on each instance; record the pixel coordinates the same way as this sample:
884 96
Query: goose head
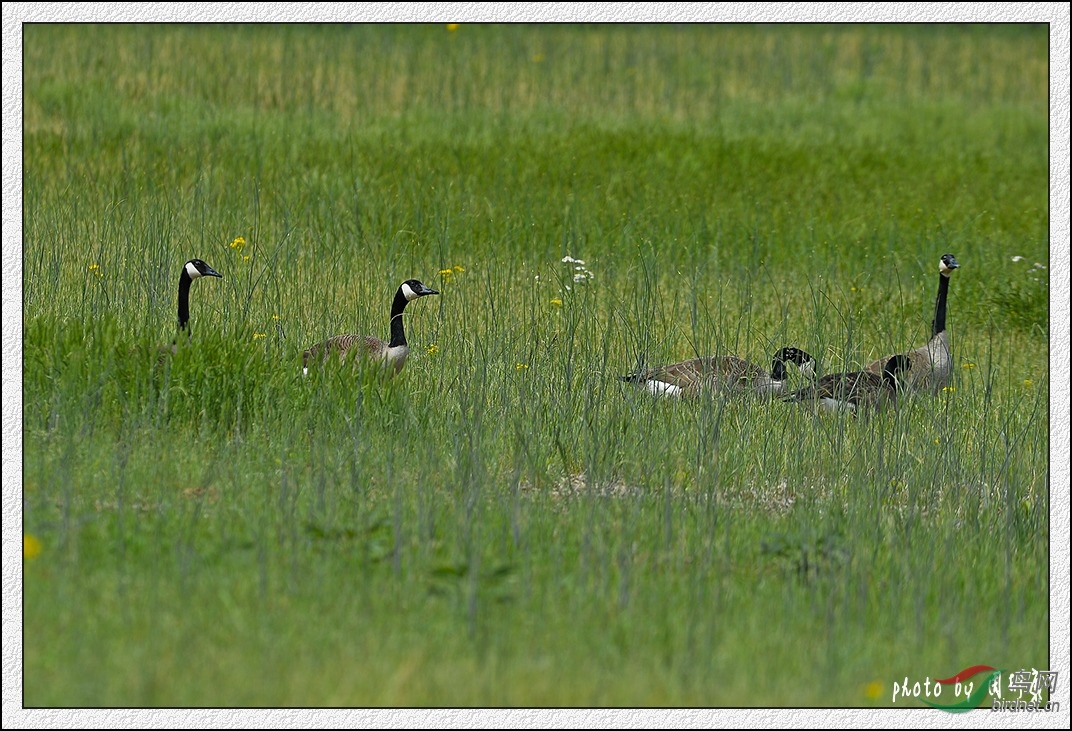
947 264
196 268
805 362
895 366
411 289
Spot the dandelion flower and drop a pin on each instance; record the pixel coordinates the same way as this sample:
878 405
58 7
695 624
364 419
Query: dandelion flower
452 27
873 690
432 349
1028 382
937 441
238 243
31 547
258 336
556 301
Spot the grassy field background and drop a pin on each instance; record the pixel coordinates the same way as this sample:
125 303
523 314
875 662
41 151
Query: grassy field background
505 523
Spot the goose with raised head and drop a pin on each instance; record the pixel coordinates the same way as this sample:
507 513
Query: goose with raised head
932 365
391 353
726 373
856 389
191 270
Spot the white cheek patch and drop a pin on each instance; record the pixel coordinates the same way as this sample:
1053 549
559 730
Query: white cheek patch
408 292
662 388
191 270
807 368
305 371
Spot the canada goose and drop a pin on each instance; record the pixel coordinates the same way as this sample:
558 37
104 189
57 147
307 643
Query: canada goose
848 391
191 270
932 365
391 353
721 373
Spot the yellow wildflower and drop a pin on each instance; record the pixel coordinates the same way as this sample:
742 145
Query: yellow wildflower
949 389
873 690
258 336
556 301
31 547
238 243
446 273
458 269
1028 383
452 27
522 367
245 258
432 349
95 268
275 317
968 365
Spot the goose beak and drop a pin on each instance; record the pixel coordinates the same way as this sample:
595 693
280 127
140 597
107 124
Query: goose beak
210 272
427 290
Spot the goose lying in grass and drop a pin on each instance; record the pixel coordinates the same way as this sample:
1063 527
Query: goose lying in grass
856 389
391 354
727 373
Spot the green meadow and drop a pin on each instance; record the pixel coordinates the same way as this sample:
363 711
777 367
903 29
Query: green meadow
505 523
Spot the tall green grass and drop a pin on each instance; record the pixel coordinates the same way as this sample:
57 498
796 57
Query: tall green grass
505 523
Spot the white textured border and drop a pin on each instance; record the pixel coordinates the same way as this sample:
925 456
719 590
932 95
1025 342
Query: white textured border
14 14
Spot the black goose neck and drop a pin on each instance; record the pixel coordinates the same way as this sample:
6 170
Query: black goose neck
398 331
778 371
938 325
184 299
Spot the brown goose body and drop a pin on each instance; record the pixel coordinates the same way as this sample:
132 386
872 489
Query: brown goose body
854 390
357 346
392 354
932 364
726 373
